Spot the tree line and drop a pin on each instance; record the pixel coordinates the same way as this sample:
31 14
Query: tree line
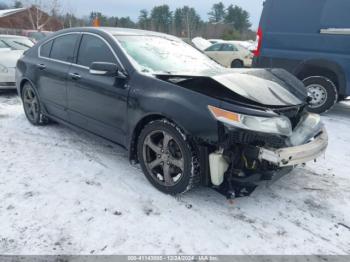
230 23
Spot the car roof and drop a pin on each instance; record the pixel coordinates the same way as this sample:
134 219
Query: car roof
119 31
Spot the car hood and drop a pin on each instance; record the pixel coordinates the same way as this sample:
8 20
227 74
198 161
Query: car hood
10 58
267 87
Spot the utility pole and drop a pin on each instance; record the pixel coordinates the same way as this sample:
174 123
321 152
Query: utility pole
188 26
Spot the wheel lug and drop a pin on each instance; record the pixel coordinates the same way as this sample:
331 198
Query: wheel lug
159 156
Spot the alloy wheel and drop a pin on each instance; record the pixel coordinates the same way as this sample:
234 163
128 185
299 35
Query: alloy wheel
163 158
31 104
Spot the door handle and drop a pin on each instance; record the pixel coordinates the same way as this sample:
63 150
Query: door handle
75 76
41 66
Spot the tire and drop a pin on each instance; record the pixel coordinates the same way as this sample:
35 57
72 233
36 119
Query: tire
237 64
175 158
31 106
324 93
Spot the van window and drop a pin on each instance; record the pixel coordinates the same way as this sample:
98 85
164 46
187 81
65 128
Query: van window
336 14
297 16
63 47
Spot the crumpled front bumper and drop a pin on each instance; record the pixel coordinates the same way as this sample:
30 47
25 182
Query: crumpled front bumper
292 156
268 162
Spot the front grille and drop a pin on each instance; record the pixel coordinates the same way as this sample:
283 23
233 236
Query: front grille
7 84
256 139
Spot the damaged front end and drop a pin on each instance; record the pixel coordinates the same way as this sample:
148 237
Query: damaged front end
246 156
264 130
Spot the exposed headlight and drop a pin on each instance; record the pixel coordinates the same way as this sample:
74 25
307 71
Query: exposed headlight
3 69
280 125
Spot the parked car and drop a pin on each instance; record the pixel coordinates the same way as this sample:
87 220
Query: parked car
15 42
35 35
11 49
310 39
230 55
187 120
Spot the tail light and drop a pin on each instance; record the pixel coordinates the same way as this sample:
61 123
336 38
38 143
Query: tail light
259 36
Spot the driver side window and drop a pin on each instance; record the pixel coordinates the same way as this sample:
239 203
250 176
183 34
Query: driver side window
93 49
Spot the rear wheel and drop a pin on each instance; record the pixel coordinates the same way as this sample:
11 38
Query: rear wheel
237 64
167 159
323 92
31 105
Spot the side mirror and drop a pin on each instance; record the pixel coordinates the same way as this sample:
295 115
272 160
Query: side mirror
106 69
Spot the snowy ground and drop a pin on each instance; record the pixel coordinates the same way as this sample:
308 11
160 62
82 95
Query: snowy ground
62 192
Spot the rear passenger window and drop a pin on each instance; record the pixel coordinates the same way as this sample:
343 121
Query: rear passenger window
229 48
93 49
45 49
63 48
214 48
235 48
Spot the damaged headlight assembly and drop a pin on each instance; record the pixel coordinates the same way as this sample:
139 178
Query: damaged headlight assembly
279 125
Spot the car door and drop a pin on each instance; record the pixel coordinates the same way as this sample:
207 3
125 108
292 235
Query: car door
213 51
55 57
97 103
227 54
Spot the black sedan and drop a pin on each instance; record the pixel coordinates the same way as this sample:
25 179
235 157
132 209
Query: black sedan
185 119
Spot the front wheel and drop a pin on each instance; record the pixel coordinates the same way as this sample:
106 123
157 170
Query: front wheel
167 159
323 93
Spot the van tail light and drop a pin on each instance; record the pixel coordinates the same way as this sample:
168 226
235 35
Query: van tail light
259 36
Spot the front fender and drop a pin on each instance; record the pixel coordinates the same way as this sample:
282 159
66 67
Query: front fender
188 109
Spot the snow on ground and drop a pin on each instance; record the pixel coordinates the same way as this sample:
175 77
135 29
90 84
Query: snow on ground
64 192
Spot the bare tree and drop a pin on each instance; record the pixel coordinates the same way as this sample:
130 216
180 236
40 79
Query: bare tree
41 11
69 18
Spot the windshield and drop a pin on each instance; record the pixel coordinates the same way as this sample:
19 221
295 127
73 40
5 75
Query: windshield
156 54
16 43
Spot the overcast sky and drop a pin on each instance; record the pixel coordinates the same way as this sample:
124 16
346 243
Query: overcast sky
132 7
